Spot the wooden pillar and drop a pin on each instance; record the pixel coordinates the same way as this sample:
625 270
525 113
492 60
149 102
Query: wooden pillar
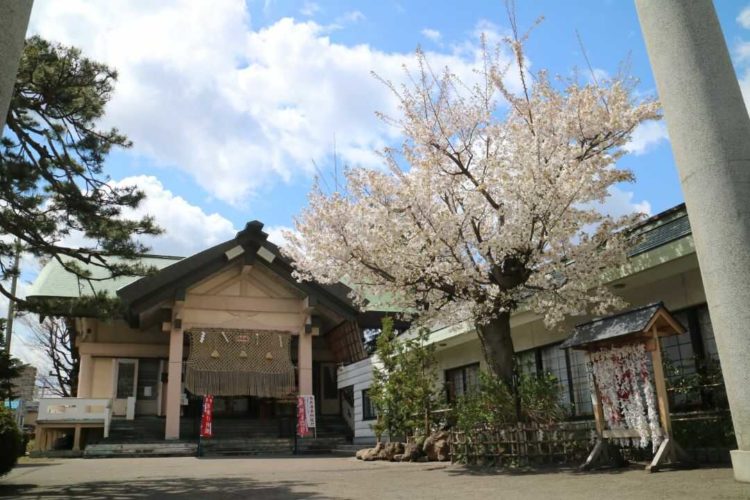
304 363
174 381
661 385
85 369
597 404
77 438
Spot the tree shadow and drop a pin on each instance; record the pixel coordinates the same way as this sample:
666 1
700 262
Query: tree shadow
477 470
167 488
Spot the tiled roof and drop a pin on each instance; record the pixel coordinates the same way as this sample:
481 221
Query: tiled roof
55 281
661 229
617 325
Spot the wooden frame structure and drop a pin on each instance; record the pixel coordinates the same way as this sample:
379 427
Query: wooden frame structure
645 325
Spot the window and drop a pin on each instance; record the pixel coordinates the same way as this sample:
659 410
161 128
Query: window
461 381
553 361
707 331
368 410
125 379
526 362
580 382
148 379
680 361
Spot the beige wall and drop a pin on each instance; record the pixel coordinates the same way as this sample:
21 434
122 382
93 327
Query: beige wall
101 383
677 283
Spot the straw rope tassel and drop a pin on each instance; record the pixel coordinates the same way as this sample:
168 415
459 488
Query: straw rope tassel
264 369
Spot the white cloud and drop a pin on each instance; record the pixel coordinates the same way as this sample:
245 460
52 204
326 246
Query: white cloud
276 234
187 228
351 17
431 34
744 18
309 9
647 136
620 202
235 108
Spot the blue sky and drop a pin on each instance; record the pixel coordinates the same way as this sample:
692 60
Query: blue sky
233 106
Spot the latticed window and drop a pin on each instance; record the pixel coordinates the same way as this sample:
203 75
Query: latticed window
368 410
580 383
461 381
526 362
553 361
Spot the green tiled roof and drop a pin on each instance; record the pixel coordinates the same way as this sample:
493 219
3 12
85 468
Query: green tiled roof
661 229
55 281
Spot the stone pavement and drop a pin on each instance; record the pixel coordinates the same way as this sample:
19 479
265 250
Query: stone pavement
340 478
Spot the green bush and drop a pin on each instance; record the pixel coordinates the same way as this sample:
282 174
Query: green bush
11 441
494 405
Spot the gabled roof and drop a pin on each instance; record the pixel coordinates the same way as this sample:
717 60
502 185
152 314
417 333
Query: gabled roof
54 281
249 244
630 322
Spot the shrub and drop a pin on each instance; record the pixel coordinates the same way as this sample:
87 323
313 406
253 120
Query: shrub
403 389
494 405
11 441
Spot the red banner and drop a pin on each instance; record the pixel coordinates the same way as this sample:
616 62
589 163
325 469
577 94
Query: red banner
207 417
302 428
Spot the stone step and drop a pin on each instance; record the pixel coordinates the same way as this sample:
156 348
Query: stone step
154 449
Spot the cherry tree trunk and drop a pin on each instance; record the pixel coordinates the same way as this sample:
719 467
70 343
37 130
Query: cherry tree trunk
497 347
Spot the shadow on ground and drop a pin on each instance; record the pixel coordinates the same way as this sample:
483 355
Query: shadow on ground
167 488
470 470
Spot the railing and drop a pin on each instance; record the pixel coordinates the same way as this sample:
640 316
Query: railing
76 410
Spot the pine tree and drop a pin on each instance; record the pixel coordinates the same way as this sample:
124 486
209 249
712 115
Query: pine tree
51 167
10 368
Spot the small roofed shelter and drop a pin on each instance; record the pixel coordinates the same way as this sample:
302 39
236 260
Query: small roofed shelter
616 348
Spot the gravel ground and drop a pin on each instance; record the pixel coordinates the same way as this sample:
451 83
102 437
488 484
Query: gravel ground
332 477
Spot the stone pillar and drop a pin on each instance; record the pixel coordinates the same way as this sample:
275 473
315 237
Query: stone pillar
14 18
174 384
85 377
304 363
710 134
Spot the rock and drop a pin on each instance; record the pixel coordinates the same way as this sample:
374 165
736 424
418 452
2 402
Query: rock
412 451
437 447
390 450
443 450
369 454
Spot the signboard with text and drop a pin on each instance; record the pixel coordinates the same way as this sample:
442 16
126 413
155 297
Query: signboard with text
305 415
207 417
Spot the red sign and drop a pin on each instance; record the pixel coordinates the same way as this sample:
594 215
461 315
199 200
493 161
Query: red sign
303 419
207 417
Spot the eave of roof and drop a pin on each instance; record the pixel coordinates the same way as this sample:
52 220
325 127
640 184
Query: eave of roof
172 281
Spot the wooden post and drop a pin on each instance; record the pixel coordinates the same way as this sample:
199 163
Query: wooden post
77 438
174 378
661 385
598 410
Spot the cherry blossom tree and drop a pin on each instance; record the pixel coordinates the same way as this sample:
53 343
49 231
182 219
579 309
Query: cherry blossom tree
493 202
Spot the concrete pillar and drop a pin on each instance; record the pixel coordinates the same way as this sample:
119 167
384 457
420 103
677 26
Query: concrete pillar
174 384
85 369
14 18
304 363
710 134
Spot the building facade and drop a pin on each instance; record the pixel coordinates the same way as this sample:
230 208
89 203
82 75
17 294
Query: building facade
230 321
662 267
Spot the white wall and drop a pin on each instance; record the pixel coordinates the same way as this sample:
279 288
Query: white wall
358 375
